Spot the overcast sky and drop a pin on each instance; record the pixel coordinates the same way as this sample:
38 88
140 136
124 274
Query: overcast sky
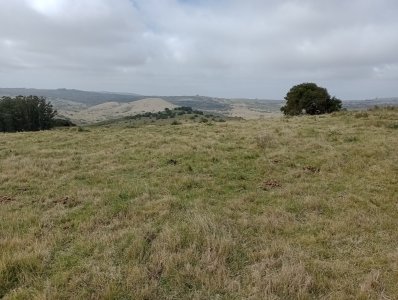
225 48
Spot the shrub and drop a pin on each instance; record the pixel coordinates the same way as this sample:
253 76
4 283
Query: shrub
310 99
63 123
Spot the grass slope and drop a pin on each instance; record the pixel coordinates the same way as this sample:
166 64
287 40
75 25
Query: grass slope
297 208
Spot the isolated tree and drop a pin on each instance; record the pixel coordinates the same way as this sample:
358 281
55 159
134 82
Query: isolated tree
310 99
26 113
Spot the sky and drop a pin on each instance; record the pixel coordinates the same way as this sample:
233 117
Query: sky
221 48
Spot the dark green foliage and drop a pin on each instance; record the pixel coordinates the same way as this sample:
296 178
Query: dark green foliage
63 123
310 99
167 113
25 113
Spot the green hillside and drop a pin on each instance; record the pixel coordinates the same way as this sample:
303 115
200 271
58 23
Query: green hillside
281 208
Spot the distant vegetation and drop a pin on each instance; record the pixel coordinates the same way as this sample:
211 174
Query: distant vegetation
26 113
310 99
167 113
170 116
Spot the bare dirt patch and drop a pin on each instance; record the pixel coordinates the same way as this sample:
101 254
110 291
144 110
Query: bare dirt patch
270 184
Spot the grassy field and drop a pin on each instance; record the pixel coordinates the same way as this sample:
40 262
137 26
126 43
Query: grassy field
283 208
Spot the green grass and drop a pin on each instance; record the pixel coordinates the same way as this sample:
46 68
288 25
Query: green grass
284 208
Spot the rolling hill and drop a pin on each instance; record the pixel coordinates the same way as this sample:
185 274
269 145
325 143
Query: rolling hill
86 107
113 110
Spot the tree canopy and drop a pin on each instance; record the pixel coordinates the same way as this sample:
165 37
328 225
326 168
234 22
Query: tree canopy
310 99
25 113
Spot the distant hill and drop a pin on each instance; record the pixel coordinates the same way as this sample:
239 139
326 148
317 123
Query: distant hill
94 98
87 98
112 110
76 104
365 104
200 102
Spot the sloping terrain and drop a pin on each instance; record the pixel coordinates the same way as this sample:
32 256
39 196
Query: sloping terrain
281 208
112 110
254 109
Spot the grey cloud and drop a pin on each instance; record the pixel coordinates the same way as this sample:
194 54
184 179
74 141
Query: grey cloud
236 48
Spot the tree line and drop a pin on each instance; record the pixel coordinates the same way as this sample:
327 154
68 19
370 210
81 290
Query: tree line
26 113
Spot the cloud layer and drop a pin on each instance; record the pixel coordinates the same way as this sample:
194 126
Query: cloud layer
231 48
